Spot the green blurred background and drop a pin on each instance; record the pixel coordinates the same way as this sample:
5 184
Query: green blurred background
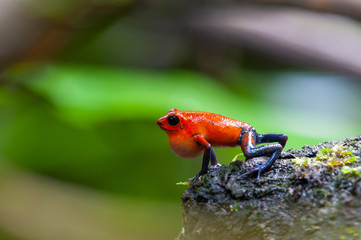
83 83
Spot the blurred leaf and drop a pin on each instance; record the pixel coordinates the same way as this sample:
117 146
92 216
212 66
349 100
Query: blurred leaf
89 94
86 95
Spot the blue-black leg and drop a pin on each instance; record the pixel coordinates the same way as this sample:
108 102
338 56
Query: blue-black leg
272 137
209 155
248 141
206 158
214 163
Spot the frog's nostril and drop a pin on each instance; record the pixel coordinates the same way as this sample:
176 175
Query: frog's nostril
159 122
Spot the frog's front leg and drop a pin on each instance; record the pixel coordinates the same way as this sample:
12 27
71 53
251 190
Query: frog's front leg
209 155
248 141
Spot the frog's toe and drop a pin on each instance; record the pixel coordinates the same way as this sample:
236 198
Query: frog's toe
259 169
215 166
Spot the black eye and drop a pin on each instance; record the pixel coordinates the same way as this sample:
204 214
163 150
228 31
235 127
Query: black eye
173 120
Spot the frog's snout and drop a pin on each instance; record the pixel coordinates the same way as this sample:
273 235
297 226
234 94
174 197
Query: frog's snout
161 121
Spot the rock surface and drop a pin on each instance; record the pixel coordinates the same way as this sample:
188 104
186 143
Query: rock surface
312 193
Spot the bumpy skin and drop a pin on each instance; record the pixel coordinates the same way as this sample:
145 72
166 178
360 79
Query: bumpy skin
192 132
219 131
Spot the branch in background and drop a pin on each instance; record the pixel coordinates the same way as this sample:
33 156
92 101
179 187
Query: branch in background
304 37
349 8
18 27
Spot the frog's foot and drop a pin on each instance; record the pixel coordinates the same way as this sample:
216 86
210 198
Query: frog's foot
215 166
260 169
195 179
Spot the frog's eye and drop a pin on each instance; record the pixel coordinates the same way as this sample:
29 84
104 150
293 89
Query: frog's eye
173 120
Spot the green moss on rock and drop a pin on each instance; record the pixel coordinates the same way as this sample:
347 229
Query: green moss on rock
317 197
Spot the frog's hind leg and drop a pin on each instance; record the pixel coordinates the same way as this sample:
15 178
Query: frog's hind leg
272 137
248 141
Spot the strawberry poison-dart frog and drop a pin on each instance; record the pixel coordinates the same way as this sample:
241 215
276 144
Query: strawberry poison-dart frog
192 132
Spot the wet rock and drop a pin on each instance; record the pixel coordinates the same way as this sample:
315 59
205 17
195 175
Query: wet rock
310 193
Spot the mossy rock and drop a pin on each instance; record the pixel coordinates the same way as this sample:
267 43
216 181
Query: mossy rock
311 193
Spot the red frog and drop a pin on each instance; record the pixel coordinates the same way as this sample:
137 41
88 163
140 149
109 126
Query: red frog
192 132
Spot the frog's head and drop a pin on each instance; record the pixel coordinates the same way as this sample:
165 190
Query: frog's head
172 121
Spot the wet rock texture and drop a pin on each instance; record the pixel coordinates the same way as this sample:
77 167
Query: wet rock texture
311 193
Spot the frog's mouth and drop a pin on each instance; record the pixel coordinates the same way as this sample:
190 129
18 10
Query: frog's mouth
166 129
